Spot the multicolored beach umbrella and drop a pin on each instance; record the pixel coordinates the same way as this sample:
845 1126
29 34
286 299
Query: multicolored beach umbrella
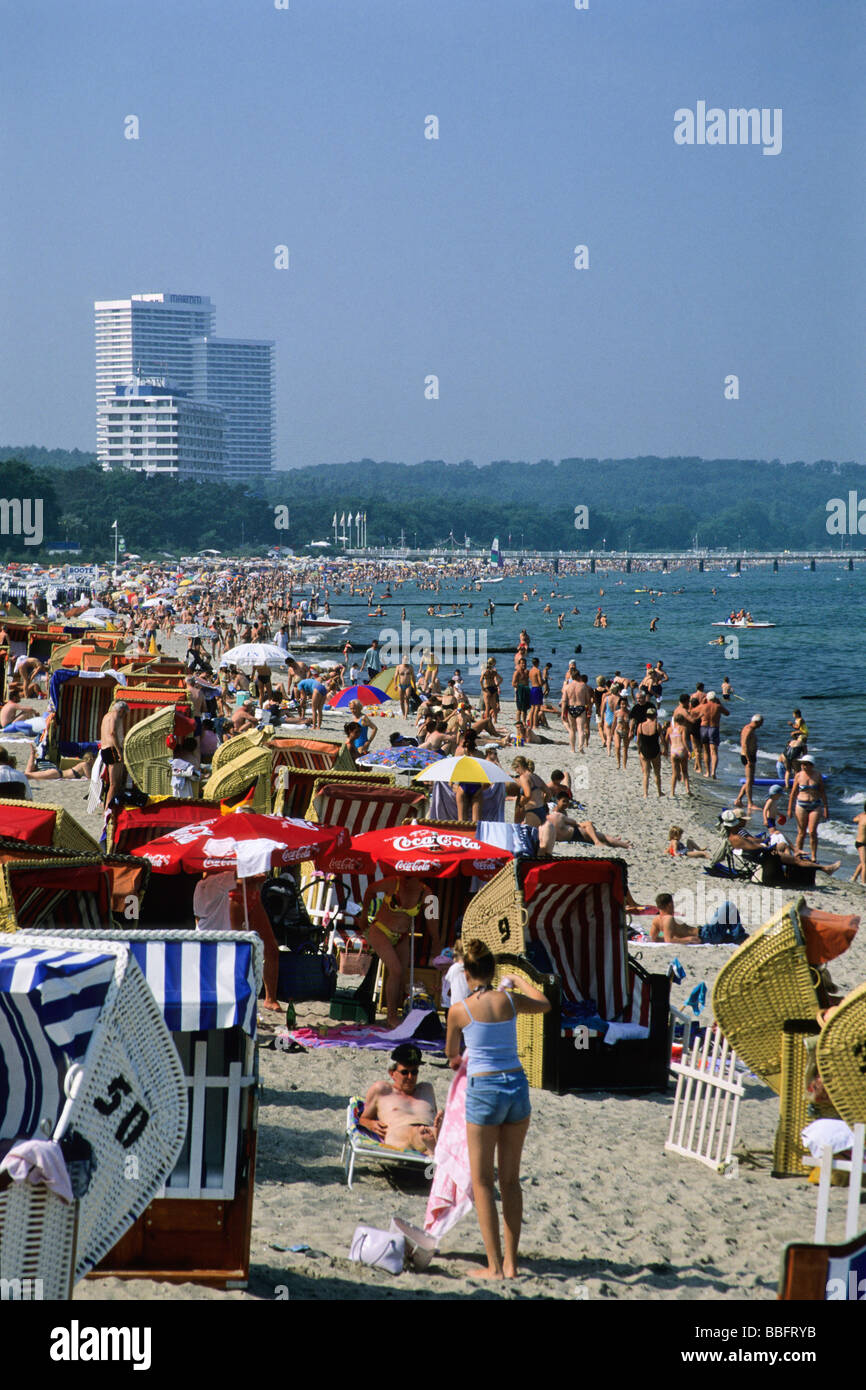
365 694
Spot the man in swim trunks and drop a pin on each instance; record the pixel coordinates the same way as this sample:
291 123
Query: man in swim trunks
536 695
575 711
711 711
401 1111
405 678
749 759
111 735
520 685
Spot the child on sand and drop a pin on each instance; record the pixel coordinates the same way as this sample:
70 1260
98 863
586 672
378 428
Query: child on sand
677 846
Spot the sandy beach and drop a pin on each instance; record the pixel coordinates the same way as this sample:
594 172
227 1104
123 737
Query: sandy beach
607 1213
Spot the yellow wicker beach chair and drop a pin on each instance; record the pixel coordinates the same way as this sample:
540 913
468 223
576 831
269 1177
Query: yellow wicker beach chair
537 1041
43 888
42 823
241 743
250 770
571 913
842 1057
766 982
146 753
765 1001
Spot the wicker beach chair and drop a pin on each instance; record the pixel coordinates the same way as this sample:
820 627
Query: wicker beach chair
145 701
569 913
251 771
197 1226
105 1082
137 826
41 823
47 889
295 761
841 1057
145 750
78 702
359 801
241 743
765 1001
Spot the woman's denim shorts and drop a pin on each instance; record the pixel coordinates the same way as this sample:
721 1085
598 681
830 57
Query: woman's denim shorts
500 1099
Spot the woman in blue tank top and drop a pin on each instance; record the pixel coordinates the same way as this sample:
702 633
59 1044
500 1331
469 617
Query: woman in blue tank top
497 1097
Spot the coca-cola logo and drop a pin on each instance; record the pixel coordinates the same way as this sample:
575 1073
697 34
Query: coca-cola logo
425 839
415 866
159 859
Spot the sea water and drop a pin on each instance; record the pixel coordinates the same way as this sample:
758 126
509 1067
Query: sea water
812 659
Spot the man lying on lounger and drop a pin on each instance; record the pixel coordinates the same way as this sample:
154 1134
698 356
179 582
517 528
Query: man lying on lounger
401 1111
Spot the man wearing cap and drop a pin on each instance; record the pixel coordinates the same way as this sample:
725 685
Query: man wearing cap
749 758
402 1111
733 823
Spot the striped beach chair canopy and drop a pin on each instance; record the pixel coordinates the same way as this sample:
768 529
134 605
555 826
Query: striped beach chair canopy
135 827
201 980
45 887
361 803
78 701
575 912
50 1000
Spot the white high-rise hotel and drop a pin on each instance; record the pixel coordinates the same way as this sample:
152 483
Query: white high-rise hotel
169 338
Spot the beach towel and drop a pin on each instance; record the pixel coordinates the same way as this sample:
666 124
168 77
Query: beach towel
39 1161
451 1194
375 1039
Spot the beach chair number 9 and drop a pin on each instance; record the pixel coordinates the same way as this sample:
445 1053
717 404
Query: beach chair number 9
133 1123
504 928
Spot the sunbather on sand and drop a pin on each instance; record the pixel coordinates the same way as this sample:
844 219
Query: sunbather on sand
581 832
665 926
78 771
402 1111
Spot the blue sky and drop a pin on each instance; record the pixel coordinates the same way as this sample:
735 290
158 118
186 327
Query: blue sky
409 257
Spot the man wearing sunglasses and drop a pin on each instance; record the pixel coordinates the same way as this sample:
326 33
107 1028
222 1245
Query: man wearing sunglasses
402 1111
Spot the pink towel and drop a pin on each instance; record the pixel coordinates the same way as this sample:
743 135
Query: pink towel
451 1194
37 1161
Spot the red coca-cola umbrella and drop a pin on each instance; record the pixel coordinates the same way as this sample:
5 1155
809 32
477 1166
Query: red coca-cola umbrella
420 850
247 842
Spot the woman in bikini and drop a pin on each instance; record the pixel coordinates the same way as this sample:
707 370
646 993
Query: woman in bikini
678 753
860 846
79 771
388 933
490 683
621 732
649 748
808 800
531 807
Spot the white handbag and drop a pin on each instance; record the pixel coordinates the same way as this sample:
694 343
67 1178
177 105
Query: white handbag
379 1249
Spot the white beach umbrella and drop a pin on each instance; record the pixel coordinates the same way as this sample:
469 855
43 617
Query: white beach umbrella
254 654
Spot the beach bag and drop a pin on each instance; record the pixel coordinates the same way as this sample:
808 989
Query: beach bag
379 1249
306 976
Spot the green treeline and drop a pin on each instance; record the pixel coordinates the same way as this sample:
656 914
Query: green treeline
639 504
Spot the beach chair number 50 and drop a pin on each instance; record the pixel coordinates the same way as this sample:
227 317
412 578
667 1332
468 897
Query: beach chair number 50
134 1122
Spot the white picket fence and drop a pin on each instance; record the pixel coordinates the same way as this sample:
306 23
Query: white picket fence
706 1104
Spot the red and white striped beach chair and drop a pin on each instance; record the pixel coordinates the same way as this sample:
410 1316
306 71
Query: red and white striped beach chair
568 915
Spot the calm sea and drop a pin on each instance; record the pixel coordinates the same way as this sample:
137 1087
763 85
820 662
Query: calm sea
813 659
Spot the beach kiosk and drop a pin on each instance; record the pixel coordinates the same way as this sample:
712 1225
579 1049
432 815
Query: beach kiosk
92 1092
